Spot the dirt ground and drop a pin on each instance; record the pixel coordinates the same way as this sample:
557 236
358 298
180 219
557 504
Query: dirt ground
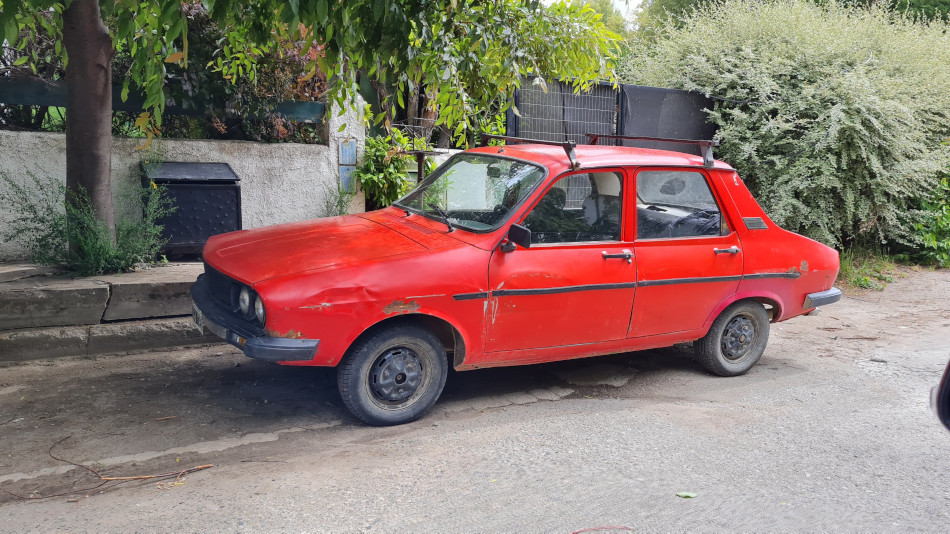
830 431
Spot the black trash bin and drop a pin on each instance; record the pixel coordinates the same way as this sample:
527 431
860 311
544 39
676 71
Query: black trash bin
208 201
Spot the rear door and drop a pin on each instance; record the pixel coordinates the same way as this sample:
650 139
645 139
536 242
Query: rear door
575 284
688 257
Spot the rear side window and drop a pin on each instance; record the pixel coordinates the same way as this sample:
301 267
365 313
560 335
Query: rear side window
674 204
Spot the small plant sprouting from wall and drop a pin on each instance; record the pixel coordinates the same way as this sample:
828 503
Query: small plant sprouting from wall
336 199
46 220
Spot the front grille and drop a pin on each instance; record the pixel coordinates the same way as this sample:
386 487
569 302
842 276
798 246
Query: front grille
223 289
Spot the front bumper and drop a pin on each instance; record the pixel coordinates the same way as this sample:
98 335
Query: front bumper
209 315
822 298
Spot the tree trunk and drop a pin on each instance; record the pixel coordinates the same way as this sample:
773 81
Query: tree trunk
430 113
412 107
89 106
382 94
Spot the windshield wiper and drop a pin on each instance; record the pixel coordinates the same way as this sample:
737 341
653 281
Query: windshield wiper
403 208
445 216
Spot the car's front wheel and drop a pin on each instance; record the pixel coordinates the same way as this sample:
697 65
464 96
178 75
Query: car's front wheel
736 339
393 376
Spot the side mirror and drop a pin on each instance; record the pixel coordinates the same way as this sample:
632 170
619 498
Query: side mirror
517 235
940 398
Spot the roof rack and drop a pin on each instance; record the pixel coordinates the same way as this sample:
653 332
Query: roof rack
705 145
568 146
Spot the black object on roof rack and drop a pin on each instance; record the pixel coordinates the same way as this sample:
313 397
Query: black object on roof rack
706 145
568 146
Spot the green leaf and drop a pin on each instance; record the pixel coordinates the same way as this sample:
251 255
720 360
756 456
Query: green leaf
171 9
686 494
321 10
10 29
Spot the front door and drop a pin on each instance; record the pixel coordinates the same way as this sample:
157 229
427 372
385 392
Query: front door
575 284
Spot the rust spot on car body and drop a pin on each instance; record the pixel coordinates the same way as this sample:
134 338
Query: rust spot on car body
401 306
290 334
321 306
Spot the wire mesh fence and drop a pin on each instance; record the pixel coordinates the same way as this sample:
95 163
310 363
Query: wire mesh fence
558 114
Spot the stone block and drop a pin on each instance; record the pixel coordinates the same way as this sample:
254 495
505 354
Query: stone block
16 271
53 301
140 335
40 343
159 292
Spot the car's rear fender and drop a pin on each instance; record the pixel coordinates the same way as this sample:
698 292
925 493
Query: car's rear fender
772 302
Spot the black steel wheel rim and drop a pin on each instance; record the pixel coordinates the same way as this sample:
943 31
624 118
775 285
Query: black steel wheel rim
396 375
738 338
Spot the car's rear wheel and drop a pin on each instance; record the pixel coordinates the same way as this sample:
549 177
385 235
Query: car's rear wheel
393 376
736 339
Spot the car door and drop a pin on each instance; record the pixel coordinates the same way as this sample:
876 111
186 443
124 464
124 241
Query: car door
575 284
688 258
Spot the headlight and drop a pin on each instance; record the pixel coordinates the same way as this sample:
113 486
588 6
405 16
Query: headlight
244 301
259 310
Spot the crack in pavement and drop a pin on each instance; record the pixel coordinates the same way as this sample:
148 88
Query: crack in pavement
202 447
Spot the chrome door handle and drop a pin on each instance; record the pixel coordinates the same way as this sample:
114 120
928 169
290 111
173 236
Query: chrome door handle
625 255
731 250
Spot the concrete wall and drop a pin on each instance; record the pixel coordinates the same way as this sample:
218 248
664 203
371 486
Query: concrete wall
279 182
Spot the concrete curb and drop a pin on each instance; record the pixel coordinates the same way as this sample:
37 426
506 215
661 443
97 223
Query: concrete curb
41 343
57 300
48 316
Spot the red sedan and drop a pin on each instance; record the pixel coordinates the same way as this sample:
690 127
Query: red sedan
511 255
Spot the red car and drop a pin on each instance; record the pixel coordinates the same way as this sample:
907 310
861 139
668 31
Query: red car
512 255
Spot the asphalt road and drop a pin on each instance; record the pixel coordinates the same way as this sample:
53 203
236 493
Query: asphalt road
831 432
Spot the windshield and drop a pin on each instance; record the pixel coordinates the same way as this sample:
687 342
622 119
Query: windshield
476 191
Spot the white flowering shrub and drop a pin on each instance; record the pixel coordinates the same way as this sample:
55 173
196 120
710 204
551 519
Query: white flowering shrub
834 115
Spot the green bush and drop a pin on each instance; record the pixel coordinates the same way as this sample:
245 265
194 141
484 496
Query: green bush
383 168
834 115
60 228
934 231
866 269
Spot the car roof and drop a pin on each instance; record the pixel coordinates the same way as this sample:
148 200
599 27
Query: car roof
591 156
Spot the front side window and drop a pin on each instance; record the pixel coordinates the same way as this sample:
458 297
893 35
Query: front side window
476 191
674 204
578 208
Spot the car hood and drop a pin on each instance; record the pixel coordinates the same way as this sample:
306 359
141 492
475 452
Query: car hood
252 256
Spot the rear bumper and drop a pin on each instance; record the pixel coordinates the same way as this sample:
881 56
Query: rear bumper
822 298
212 317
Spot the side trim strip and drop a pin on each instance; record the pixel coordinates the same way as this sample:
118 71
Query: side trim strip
701 280
627 285
791 274
565 289
470 296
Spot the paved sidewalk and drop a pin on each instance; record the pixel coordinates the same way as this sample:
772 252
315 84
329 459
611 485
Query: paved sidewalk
44 313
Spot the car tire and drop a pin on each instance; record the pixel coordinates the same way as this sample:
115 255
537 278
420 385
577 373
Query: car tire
736 339
393 376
